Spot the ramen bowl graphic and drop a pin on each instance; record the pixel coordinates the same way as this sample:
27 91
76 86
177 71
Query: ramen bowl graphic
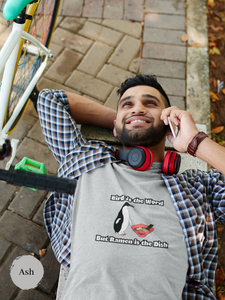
142 230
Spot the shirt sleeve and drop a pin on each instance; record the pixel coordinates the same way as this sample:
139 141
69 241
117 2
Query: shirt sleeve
59 129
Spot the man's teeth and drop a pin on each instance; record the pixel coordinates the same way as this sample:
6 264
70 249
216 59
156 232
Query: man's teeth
138 121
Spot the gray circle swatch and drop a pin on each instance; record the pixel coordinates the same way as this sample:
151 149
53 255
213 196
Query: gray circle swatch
26 272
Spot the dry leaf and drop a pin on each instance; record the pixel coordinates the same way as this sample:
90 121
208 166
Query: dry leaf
42 252
217 129
213 64
216 28
214 96
217 19
211 3
212 44
211 51
212 117
214 82
195 45
184 37
223 91
216 50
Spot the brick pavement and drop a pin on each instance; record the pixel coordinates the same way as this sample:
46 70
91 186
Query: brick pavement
97 44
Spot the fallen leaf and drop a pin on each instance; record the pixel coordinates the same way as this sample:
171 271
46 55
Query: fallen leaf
195 45
42 252
184 37
223 91
212 44
216 28
217 19
214 96
211 3
217 129
211 51
213 63
212 117
216 50
214 82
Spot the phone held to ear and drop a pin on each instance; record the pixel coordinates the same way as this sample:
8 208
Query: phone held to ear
171 127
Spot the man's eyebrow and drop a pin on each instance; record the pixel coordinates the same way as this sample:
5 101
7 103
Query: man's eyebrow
143 96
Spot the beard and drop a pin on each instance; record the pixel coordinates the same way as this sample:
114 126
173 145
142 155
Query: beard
148 137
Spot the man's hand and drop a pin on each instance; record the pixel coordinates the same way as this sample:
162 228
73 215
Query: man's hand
186 127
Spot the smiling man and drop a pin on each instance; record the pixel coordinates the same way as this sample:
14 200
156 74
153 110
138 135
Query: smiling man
130 234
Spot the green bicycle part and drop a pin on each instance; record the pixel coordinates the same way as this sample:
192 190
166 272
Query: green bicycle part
13 8
30 165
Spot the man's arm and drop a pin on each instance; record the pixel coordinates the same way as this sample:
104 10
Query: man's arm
86 111
208 150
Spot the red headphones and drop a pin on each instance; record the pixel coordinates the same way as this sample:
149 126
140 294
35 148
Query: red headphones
141 159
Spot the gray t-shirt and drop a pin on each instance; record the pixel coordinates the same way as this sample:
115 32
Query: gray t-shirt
127 241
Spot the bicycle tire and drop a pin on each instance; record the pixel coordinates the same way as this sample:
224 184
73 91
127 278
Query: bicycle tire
44 14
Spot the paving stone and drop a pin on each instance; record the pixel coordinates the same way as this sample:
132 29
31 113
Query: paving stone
165 7
55 49
197 25
135 65
71 40
51 271
163 68
39 152
73 24
164 36
98 133
95 20
6 193
93 8
134 10
23 127
38 217
7 288
64 65
72 8
101 33
46 83
5 247
165 21
113 9
95 58
198 88
36 133
178 102
174 87
88 85
127 49
33 294
26 202
112 99
130 28
114 75
162 51
22 232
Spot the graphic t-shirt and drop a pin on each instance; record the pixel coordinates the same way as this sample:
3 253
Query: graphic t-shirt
127 241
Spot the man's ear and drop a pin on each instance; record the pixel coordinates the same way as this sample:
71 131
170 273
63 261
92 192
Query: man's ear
114 129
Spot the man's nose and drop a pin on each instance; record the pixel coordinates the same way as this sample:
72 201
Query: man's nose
138 109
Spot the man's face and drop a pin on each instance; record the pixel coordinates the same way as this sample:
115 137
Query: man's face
138 118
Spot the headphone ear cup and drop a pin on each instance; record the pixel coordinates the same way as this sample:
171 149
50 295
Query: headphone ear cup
148 159
171 163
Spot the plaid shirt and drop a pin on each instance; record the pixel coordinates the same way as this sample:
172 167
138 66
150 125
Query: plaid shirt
199 197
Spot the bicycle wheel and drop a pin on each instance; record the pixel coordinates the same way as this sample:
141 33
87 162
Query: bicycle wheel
44 14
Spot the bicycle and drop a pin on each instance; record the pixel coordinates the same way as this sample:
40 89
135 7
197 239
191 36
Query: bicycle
24 57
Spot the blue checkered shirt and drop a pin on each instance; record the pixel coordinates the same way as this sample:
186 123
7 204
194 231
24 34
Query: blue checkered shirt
199 197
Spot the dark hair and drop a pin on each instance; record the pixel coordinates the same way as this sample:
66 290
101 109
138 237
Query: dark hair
149 80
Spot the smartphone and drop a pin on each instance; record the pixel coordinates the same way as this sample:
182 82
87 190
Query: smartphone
171 127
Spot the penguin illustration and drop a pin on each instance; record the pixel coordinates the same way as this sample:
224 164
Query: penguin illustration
122 220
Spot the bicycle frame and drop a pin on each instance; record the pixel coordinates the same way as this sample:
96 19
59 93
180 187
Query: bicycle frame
8 58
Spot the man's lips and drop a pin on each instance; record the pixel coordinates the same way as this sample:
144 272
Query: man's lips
137 120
